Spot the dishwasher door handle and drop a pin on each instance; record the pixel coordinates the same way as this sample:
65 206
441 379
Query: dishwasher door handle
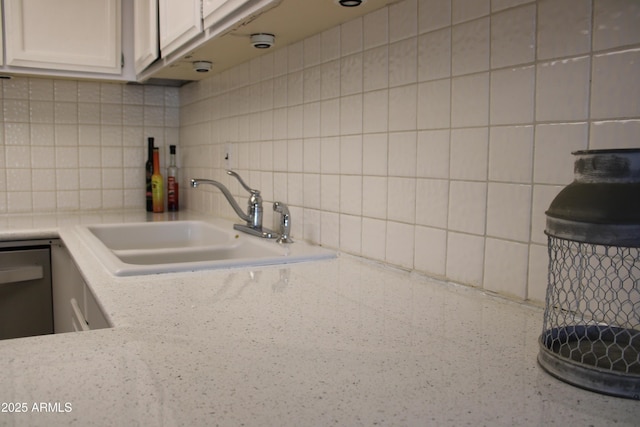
20 273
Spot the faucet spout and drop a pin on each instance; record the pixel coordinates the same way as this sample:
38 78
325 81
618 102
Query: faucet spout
197 181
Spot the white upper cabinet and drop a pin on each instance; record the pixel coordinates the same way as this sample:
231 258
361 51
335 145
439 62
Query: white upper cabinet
71 35
180 21
213 11
1 41
145 38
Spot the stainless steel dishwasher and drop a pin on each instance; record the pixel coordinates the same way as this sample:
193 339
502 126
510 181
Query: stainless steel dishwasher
26 303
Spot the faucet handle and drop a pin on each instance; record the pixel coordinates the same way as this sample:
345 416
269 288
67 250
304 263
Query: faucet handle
244 185
285 222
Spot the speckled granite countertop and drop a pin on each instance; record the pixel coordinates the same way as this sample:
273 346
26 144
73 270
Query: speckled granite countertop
339 342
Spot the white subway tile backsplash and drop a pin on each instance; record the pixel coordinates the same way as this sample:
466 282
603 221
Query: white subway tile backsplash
470 47
432 202
537 279
469 153
311 121
433 154
467 206
465 258
41 134
434 55
562 90
434 104
89 91
403 21
614 134
430 250
329 155
295 156
351 35
330 193
375 154
329 118
312 52
19 179
616 23
43 180
376 28
295 88
374 197
295 60
433 14
543 195
554 143
616 97
505 269
511 154
374 233
403 108
295 189
400 244
403 62
311 91
40 89
19 156
464 10
329 229
513 36
564 28
16 134
376 68
512 94
351 155
375 111
509 211
351 234
402 154
401 200
351 74
497 5
16 110
351 114
470 100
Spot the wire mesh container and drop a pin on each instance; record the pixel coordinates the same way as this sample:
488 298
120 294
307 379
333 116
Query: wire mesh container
591 327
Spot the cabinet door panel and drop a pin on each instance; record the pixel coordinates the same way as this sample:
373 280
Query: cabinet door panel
146 47
75 35
180 21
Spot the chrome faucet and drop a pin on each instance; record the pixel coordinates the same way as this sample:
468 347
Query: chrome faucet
254 214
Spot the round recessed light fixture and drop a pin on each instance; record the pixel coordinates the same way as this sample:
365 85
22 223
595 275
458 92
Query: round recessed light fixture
262 40
202 66
350 3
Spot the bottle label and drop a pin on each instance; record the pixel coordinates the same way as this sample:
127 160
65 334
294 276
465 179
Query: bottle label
157 193
172 194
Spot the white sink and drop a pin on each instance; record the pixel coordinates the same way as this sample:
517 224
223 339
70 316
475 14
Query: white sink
170 246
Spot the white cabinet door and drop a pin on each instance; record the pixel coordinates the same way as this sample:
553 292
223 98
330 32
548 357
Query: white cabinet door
214 11
73 35
180 21
145 33
1 41
68 291
74 306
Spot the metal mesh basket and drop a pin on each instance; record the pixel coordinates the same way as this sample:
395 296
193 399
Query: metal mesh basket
591 329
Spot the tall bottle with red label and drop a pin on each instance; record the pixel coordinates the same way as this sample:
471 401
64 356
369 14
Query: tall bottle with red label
173 201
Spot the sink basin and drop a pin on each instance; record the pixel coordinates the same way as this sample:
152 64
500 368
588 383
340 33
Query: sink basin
170 246
154 235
